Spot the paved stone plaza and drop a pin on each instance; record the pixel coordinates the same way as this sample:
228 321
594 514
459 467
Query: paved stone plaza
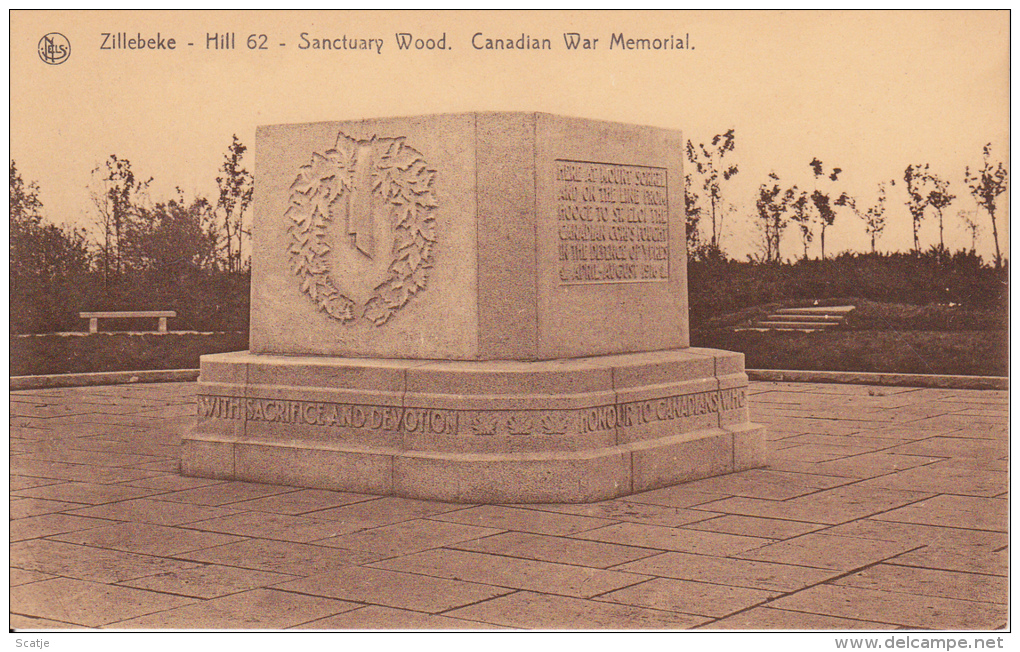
881 508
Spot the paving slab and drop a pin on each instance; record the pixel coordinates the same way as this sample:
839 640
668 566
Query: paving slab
537 521
966 447
256 609
820 550
819 452
928 535
945 478
281 557
408 537
20 576
85 563
23 465
856 440
267 525
146 539
512 573
88 604
90 457
374 617
527 610
85 492
389 588
830 507
362 515
26 482
539 547
26 507
305 501
225 493
770 618
767 484
952 558
37 527
629 511
927 581
20 622
677 496
676 539
965 512
698 598
913 611
168 483
871 465
768 528
731 572
208 581
158 512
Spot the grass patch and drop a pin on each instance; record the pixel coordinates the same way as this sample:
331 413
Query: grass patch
959 352
61 354
871 315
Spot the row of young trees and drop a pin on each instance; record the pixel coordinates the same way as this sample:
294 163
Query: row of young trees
182 253
193 250
813 210
136 234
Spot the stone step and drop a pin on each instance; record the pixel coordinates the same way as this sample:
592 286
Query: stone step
802 329
808 319
817 310
783 316
794 325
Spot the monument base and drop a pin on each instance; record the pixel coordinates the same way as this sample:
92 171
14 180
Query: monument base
572 430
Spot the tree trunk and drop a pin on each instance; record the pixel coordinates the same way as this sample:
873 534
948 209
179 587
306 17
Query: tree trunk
995 236
715 242
942 242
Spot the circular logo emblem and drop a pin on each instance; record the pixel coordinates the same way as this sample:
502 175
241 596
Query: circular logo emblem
54 48
362 228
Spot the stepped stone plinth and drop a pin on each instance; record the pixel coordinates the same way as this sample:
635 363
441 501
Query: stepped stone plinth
483 307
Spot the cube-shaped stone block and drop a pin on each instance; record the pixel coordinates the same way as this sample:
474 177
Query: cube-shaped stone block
476 236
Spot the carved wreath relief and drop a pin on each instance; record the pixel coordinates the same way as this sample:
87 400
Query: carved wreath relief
363 229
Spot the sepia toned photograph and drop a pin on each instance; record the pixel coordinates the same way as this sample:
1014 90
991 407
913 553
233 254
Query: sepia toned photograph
686 322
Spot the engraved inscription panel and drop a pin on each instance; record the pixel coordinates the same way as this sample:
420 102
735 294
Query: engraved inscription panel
480 423
612 222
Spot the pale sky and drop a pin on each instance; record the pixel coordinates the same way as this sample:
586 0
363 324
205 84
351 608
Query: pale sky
869 92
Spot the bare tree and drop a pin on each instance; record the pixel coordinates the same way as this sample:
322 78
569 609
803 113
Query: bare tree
874 215
986 185
772 205
916 176
969 221
714 170
822 200
693 213
939 198
802 216
117 195
236 186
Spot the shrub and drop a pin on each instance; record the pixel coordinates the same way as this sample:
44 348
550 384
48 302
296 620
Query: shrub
718 287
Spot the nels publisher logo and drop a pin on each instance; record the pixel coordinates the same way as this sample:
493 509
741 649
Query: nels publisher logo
54 48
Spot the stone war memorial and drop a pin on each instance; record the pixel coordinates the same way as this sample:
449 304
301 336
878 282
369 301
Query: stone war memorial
476 307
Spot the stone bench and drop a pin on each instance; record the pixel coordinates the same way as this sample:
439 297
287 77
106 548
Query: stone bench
94 317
